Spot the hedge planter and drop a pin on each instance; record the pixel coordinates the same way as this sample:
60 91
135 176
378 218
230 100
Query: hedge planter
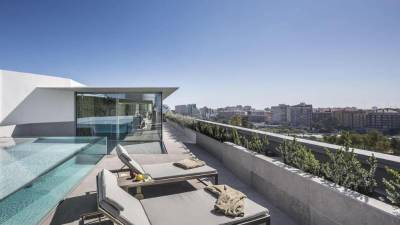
306 198
318 149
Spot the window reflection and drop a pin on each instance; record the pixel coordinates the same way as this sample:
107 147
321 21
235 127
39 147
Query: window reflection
119 116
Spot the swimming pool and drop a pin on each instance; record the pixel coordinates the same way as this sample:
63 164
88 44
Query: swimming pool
36 173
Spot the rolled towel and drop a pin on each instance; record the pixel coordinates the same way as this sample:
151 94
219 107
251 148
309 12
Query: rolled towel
189 163
230 202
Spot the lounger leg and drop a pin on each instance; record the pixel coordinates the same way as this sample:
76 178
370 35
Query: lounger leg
216 179
139 195
91 215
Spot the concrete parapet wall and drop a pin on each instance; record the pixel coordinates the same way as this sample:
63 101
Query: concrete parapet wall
306 198
319 149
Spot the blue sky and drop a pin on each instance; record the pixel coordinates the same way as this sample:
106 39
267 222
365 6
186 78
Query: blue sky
328 53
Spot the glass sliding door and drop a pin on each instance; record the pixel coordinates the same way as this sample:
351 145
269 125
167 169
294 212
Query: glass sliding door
95 115
129 117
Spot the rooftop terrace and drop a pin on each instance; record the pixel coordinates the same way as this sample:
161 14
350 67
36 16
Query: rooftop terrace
83 198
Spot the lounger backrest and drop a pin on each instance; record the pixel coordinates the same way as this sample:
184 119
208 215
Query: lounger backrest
128 161
117 202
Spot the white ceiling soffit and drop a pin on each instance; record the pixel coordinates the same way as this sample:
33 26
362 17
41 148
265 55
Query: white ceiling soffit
166 91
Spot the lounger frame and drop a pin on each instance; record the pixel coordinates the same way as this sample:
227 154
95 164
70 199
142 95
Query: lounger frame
255 221
100 211
127 182
264 219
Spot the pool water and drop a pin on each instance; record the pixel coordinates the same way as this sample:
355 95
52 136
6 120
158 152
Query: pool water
40 172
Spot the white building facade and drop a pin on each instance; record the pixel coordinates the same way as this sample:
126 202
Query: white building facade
27 107
41 105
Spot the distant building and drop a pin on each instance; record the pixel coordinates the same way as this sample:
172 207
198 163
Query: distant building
181 109
301 115
383 119
247 108
257 116
187 110
321 115
193 111
350 118
230 111
268 116
228 114
232 108
353 118
280 114
207 113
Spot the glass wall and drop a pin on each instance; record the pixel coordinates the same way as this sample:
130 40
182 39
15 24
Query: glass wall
131 117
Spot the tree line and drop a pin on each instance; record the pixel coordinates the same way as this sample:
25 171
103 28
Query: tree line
372 140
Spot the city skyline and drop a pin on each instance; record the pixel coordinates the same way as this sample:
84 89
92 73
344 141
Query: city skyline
302 116
337 53
269 106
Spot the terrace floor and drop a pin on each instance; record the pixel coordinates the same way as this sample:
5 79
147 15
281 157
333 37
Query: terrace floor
83 198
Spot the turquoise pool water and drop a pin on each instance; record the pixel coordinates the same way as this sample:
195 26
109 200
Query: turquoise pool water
39 172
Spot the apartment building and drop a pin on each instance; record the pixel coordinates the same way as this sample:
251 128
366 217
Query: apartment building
228 114
187 110
321 115
301 115
280 114
181 109
383 119
258 116
207 113
350 118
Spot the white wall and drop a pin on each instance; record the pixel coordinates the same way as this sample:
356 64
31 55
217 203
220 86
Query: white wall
23 101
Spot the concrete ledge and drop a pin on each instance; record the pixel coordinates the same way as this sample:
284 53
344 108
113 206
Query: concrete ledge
211 145
308 199
189 133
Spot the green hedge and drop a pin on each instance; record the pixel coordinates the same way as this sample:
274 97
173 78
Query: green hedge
223 134
392 186
342 168
297 155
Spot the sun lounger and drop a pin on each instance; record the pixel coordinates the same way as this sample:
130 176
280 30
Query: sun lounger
194 208
161 173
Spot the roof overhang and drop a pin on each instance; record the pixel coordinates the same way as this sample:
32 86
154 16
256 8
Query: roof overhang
166 91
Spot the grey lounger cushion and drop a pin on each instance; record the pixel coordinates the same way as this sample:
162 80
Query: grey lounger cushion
128 161
168 170
194 208
129 211
160 170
